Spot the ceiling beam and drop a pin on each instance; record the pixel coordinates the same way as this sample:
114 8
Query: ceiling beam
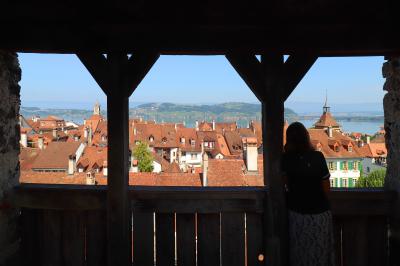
294 69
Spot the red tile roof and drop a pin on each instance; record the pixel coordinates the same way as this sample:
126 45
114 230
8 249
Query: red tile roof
338 139
56 155
326 120
92 157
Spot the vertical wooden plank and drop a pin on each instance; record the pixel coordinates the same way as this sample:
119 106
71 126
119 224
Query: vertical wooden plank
96 238
51 253
118 207
30 238
232 239
354 239
186 238
208 235
254 241
165 239
377 240
337 237
143 239
73 238
276 244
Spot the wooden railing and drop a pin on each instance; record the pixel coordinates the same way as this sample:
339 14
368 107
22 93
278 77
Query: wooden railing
66 225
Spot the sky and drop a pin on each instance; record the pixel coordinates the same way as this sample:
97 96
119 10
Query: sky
352 83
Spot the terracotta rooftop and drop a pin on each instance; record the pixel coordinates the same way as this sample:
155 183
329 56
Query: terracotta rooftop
56 155
338 139
326 120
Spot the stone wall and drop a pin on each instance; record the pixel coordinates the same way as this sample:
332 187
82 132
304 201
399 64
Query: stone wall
10 75
391 105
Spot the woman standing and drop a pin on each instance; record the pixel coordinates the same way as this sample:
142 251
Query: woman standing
310 218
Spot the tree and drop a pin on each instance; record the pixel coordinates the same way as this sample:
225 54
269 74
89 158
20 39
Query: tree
375 179
145 160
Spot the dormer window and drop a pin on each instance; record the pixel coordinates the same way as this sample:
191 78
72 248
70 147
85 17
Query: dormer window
164 140
192 142
337 148
350 148
182 140
151 138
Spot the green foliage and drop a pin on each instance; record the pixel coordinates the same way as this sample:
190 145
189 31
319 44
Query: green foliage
374 179
142 153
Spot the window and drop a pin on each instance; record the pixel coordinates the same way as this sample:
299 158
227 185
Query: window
332 166
344 182
336 148
332 182
193 142
350 148
355 165
193 156
182 140
151 138
345 166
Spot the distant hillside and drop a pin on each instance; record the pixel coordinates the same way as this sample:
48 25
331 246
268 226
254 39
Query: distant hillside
234 111
170 112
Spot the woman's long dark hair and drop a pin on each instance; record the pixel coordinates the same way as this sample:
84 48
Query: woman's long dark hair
297 139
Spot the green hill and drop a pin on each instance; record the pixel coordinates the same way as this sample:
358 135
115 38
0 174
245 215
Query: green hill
224 112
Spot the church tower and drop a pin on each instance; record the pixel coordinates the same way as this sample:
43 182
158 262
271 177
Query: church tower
96 108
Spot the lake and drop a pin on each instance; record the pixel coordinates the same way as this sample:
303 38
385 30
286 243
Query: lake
363 127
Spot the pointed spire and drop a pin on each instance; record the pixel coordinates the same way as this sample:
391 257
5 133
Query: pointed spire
326 108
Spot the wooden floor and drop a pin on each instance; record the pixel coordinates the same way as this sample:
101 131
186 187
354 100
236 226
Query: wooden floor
66 225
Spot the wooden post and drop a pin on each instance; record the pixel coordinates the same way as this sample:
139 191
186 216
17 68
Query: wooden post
275 219
118 213
118 76
272 81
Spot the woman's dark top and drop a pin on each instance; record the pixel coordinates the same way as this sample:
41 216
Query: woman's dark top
305 172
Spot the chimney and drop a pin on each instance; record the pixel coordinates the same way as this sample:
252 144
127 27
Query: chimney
250 153
40 143
330 132
205 170
71 164
197 125
213 125
368 139
90 178
105 169
24 139
54 133
85 132
360 143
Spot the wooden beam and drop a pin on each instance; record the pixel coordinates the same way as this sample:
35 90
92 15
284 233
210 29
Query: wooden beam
275 217
139 64
118 76
118 207
249 69
295 68
96 64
